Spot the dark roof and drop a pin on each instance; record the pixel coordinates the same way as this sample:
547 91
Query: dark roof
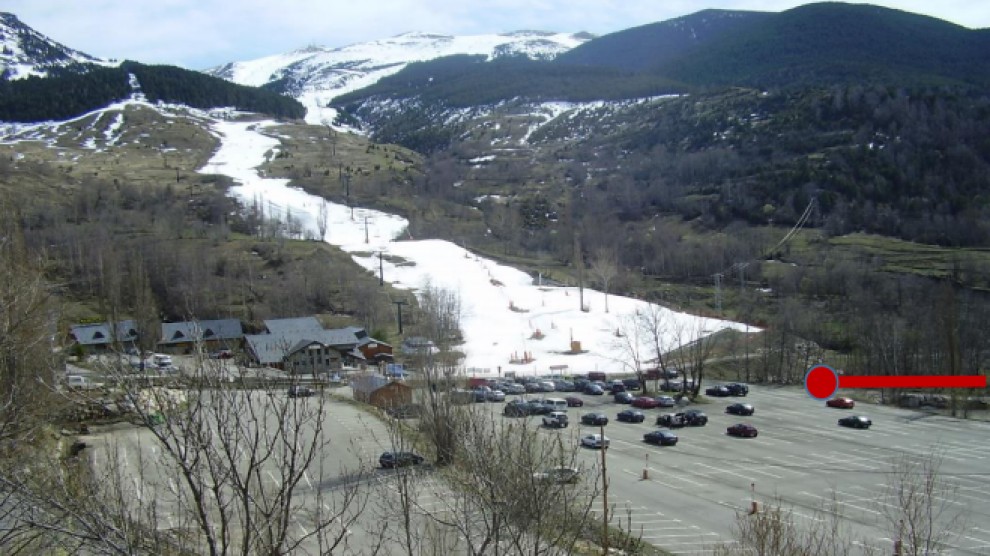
100 334
293 325
287 336
204 330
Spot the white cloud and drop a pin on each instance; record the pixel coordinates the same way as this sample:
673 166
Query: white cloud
202 33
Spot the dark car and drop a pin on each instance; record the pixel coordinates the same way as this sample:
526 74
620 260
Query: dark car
400 459
519 408
616 386
660 438
596 419
631 383
842 403
737 389
740 409
594 390
623 397
742 429
574 401
631 416
717 391
856 422
300 391
645 402
695 418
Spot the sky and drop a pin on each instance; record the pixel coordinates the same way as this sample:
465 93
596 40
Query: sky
199 34
509 323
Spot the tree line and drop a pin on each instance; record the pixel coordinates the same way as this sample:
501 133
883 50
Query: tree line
69 95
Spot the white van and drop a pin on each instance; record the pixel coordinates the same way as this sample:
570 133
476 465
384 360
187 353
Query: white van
162 361
557 404
80 382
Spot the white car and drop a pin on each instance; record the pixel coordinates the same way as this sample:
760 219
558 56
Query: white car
495 396
666 401
594 441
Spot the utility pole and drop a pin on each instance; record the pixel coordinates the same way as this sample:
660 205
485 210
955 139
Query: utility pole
381 270
399 305
366 231
718 292
605 516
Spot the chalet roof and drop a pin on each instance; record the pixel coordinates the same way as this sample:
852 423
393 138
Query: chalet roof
292 336
204 330
100 334
295 325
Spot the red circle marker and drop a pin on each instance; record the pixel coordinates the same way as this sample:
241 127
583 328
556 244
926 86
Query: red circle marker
821 382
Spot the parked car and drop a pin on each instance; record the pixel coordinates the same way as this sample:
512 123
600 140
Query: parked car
616 386
222 354
842 403
594 390
737 389
574 401
631 416
856 422
594 441
594 419
717 391
665 401
660 437
558 475
671 386
631 383
623 397
740 409
518 408
645 402
744 430
555 420
691 417
564 385
513 388
81 382
496 396
300 391
400 459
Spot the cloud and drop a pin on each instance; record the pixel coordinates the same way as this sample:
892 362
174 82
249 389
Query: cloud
203 33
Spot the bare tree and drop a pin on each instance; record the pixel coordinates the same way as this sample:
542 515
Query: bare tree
322 219
440 312
605 267
918 506
216 467
695 345
772 531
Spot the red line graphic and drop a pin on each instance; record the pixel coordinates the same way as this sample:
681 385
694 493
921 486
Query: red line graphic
920 381
822 381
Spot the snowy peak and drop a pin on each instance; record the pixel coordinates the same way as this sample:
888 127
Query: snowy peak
315 75
25 52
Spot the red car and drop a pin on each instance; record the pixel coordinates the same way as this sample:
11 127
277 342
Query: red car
645 402
574 401
742 429
843 403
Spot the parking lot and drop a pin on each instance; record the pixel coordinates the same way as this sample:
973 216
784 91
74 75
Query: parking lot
691 492
685 498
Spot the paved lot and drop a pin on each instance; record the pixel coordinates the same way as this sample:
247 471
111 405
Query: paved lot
692 492
801 456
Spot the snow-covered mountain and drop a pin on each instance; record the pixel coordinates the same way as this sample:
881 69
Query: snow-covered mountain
25 52
315 75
